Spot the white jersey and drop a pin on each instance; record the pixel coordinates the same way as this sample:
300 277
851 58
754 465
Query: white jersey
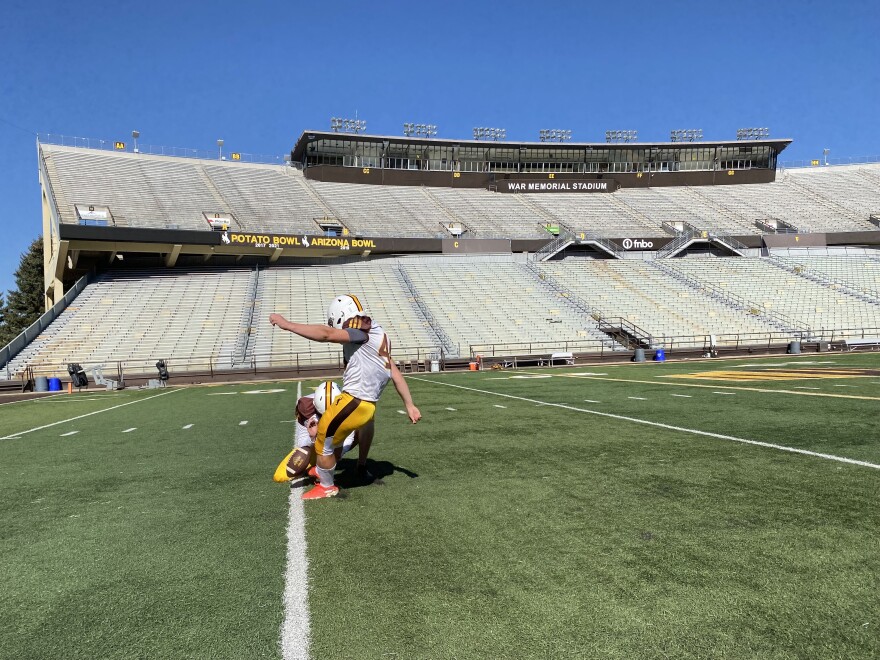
306 415
367 363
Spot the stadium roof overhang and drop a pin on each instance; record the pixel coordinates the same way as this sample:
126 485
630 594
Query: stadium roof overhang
310 137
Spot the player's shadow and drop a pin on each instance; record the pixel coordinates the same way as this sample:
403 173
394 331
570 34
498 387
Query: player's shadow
348 476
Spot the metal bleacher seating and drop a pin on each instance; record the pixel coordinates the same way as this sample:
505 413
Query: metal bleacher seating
136 316
659 304
818 306
302 295
495 302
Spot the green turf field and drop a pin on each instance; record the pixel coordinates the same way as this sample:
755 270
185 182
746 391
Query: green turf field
615 511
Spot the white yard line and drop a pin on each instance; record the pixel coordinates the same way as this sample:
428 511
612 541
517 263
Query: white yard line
295 627
635 420
637 398
683 396
96 412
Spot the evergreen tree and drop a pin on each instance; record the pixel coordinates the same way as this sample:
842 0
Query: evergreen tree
24 305
2 321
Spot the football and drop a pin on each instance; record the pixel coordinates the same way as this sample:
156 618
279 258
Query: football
298 462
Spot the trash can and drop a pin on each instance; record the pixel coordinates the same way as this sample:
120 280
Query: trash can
472 366
794 348
660 355
639 355
435 365
41 384
54 384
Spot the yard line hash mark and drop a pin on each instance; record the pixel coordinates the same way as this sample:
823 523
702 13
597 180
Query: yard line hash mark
591 401
637 398
451 409
243 422
130 430
188 426
683 396
64 435
497 406
636 420
95 412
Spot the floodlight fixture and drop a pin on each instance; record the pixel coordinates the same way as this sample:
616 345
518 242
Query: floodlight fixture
342 125
825 154
220 147
419 130
758 133
554 135
621 136
135 135
686 135
489 133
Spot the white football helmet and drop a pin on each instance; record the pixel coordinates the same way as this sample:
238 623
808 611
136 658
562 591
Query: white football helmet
324 395
343 308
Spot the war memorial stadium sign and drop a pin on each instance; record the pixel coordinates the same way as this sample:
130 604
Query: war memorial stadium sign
570 186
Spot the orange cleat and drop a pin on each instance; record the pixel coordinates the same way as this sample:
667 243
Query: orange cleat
313 473
320 491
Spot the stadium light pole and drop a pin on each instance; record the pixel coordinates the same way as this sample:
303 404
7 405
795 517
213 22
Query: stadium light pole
621 136
220 146
825 154
419 130
135 135
554 135
490 133
342 125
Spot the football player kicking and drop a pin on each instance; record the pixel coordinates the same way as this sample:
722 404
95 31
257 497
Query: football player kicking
368 368
301 459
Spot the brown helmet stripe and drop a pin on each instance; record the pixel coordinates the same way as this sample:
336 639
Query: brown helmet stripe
336 422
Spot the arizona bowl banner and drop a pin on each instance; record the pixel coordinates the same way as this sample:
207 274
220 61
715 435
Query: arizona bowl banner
274 241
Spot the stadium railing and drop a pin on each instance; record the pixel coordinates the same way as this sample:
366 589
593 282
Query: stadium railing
30 333
215 365
156 150
808 163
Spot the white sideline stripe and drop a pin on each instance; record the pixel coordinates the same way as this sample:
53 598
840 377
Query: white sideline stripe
64 435
295 626
683 396
95 412
727 393
130 430
188 426
757 443
637 398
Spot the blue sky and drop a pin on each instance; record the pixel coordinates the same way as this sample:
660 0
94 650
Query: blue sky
257 73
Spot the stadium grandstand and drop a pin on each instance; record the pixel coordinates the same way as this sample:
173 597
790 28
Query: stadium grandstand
468 250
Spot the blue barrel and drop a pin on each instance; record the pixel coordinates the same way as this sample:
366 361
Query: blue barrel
41 384
659 355
54 384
